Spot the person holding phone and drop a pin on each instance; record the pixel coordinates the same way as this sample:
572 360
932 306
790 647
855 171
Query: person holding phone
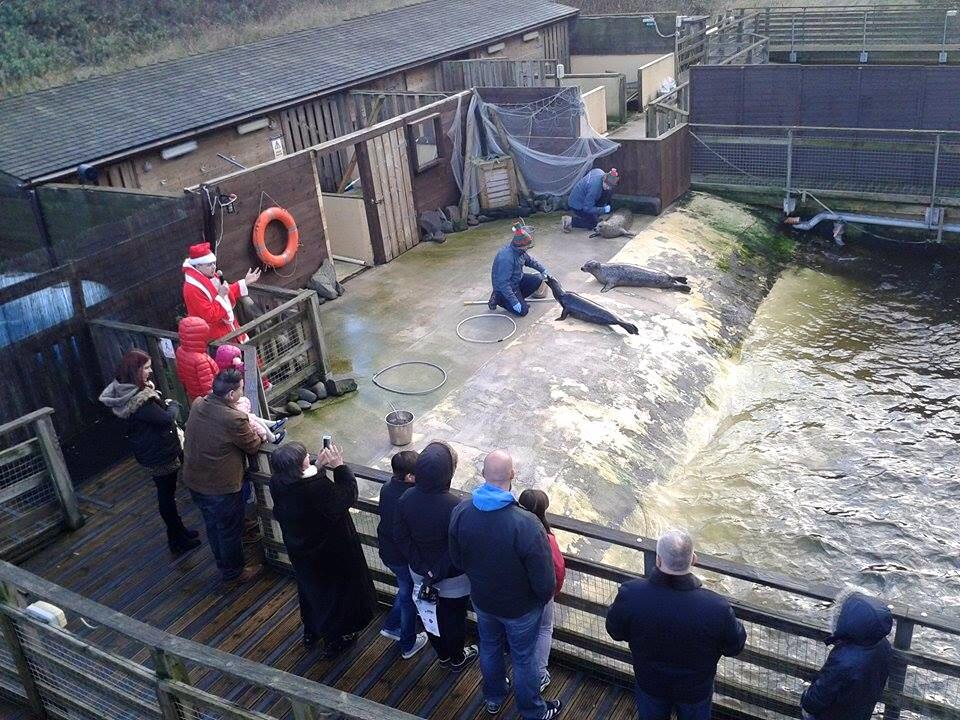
334 585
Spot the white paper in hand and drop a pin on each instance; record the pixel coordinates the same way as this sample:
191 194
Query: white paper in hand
427 612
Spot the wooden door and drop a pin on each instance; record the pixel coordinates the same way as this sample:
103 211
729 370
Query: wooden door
392 189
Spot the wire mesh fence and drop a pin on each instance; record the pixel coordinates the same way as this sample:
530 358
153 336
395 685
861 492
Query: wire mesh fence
907 165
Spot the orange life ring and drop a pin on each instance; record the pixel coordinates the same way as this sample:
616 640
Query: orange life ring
293 237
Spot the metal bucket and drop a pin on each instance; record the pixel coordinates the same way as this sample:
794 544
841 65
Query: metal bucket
400 427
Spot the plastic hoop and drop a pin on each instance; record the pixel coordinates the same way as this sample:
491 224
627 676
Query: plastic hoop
409 392
489 342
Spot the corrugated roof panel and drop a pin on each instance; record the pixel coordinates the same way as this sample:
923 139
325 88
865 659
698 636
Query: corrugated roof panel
51 130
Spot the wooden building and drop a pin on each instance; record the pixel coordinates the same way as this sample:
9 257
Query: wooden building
179 123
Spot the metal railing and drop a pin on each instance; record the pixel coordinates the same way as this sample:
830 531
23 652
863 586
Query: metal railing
37 500
911 166
930 27
106 666
785 619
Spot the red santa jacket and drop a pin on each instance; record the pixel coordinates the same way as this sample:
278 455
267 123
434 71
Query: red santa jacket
195 368
202 301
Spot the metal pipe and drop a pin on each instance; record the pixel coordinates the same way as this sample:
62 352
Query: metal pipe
858 219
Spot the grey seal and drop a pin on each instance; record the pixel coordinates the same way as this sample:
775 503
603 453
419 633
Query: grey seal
615 225
615 274
579 307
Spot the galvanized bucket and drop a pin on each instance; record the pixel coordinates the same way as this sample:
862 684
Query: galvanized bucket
400 427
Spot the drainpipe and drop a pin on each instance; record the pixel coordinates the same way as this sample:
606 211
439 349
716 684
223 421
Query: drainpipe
858 219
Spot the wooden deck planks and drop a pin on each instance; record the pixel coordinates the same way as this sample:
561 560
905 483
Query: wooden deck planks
119 558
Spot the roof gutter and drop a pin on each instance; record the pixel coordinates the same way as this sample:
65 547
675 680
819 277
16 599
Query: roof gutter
49 177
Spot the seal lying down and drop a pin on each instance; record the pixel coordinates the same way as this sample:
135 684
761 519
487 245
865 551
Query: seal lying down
579 307
615 225
616 274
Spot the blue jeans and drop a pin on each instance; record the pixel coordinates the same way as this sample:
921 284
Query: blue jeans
223 517
403 614
654 708
521 636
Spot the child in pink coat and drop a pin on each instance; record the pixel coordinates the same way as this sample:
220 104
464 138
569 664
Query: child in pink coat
229 356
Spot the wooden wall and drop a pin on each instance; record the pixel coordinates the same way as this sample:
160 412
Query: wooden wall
291 184
653 170
436 187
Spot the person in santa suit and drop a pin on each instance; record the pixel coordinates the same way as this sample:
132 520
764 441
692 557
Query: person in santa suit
207 296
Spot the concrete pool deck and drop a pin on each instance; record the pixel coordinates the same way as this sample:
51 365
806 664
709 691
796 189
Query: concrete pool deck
591 414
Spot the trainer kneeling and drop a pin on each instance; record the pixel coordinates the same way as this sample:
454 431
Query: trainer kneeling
511 285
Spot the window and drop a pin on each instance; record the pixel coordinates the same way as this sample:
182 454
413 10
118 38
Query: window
423 137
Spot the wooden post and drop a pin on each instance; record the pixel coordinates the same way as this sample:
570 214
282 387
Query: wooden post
313 319
374 113
370 202
252 385
9 596
902 639
649 562
303 711
59 475
169 667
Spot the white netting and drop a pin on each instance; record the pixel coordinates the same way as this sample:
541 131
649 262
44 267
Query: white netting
551 144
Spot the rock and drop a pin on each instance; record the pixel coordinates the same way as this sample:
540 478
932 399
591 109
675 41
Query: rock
292 408
484 218
320 390
472 220
304 405
431 226
278 412
324 281
307 395
340 386
459 225
452 212
446 226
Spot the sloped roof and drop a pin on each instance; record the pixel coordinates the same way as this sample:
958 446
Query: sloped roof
53 130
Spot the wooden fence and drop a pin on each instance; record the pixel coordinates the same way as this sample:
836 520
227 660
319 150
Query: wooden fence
36 494
72 674
653 170
458 75
371 107
784 649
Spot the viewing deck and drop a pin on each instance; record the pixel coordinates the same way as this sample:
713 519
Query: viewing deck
119 558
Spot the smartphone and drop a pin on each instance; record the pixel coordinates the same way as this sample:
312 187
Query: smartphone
326 441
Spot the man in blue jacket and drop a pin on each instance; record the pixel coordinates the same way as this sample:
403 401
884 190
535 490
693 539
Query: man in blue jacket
677 632
511 285
590 198
852 680
504 551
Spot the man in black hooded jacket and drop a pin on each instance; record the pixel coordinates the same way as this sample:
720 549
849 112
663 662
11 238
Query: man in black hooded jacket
421 534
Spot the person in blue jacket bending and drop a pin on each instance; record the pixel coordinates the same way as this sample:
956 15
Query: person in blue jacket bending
511 285
590 198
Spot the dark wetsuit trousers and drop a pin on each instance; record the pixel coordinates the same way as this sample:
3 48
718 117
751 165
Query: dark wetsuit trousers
528 286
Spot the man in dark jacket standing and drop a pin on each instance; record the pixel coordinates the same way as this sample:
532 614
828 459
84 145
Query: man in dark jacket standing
677 632
421 534
401 622
852 680
217 440
504 551
511 285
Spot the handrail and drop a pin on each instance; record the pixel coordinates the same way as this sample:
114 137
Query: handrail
845 130
296 688
27 419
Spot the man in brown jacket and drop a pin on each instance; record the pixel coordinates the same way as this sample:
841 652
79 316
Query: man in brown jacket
217 440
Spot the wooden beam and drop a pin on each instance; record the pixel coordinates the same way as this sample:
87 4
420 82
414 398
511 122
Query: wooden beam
345 180
59 475
10 597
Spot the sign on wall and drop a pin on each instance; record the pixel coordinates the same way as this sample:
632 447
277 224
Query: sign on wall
277 144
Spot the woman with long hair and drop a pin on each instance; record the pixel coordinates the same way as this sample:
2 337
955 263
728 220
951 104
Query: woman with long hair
335 588
537 502
154 437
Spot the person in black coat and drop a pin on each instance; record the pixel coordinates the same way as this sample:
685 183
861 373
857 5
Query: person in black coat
335 589
151 426
421 533
852 680
677 632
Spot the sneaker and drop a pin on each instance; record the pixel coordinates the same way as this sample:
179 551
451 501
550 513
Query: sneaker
418 645
278 425
309 640
492 302
470 653
553 709
493 708
545 680
392 634
279 436
566 222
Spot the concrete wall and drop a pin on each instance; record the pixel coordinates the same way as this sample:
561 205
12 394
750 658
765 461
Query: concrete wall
652 75
626 64
611 85
595 105
347 228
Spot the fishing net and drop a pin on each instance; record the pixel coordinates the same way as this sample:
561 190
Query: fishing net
549 139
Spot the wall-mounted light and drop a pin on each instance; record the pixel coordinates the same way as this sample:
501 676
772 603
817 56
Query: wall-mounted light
527 37
253 126
495 48
175 151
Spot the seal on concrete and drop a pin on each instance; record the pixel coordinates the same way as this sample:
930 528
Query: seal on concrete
616 274
579 307
615 225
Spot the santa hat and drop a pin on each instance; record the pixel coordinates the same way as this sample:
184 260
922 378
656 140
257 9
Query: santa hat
200 254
